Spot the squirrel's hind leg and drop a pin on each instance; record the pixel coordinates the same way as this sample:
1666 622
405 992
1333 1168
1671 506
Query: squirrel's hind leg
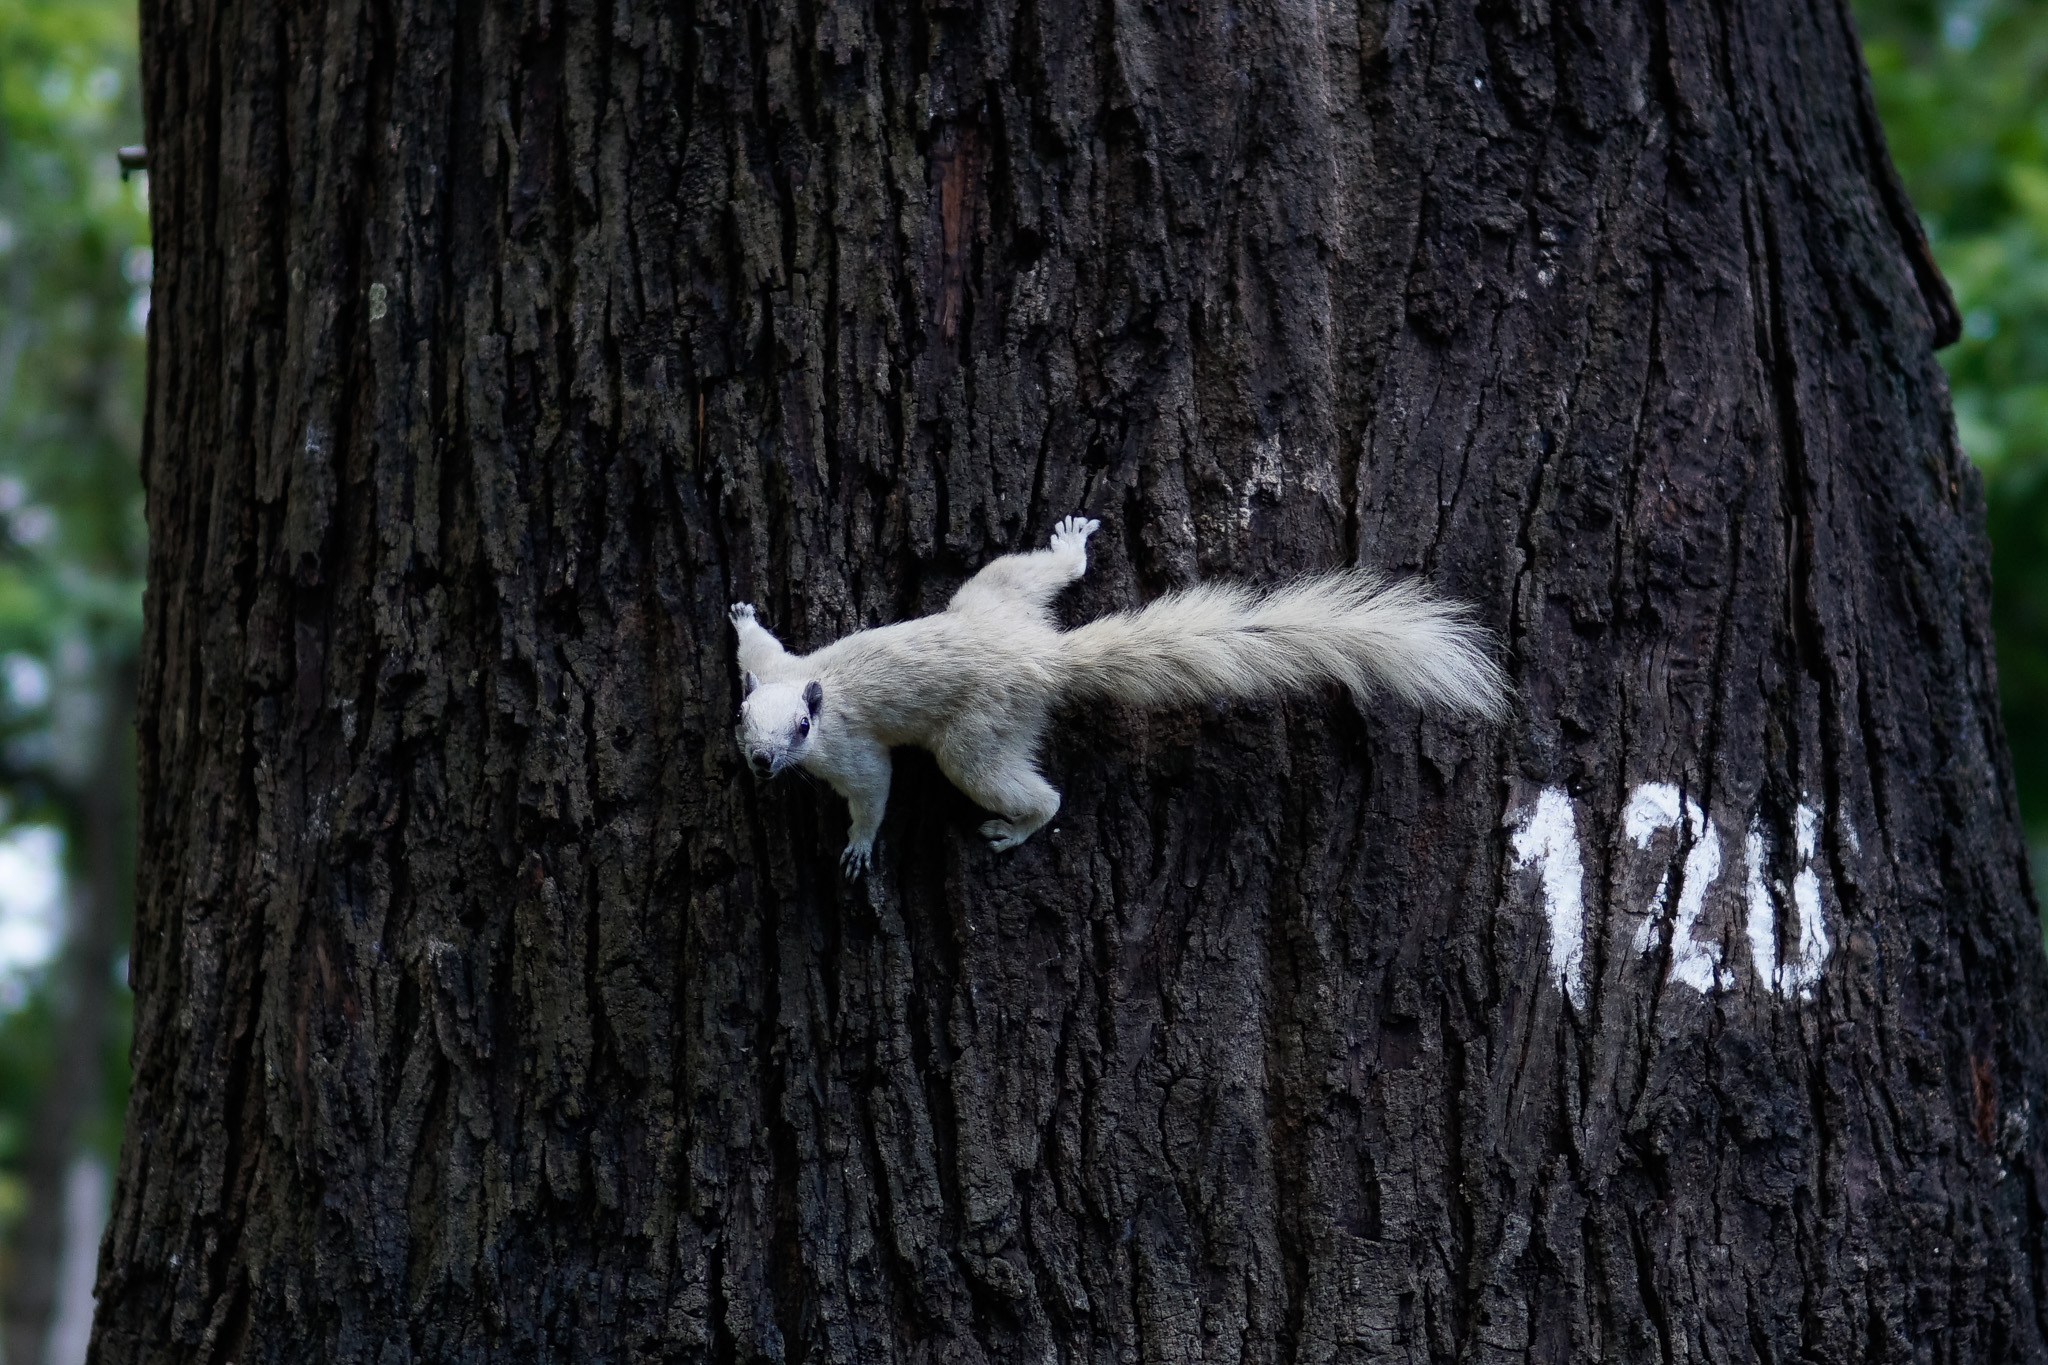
1005 779
1035 577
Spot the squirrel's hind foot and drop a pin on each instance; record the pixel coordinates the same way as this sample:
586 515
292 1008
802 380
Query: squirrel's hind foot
1074 532
1003 836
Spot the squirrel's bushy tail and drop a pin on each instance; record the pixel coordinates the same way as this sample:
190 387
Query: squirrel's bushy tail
1229 640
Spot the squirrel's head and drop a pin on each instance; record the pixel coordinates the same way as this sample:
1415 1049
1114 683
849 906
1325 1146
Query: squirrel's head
777 721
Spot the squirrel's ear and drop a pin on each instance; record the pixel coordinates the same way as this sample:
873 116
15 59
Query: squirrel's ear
814 696
748 682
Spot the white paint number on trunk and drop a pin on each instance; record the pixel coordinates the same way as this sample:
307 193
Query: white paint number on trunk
1549 839
1655 806
1546 838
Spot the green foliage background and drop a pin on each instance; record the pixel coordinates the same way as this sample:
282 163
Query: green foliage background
74 269
1963 91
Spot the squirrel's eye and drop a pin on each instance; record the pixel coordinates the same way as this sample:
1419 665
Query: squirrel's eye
803 727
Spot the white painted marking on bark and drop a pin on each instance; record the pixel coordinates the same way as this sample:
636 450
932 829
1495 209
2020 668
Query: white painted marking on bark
1651 807
1810 954
1803 971
1655 806
1694 963
1761 924
1548 838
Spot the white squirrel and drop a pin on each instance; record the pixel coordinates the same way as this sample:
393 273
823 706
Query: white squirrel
976 683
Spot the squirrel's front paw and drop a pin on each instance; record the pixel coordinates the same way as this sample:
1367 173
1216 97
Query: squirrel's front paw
856 858
742 612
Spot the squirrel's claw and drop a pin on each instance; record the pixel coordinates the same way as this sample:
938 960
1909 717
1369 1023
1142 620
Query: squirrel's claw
855 859
742 612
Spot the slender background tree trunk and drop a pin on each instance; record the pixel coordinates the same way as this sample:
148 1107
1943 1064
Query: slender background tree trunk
488 1010
93 778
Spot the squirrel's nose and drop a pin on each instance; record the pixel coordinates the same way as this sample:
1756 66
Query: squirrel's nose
760 762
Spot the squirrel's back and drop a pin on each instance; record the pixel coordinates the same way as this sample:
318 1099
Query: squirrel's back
904 682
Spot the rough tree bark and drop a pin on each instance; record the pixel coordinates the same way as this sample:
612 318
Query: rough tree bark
488 1010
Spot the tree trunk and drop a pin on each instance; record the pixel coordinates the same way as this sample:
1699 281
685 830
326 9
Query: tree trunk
489 1010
